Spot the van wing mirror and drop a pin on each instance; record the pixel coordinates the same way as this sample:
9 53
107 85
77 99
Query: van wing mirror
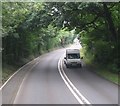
65 58
81 57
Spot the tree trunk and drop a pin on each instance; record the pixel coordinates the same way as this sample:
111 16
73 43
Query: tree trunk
110 22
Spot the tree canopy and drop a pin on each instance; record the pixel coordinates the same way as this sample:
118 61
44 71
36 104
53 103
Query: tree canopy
33 27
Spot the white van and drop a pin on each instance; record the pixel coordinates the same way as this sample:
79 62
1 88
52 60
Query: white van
72 58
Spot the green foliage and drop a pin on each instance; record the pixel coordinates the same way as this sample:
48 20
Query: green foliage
28 31
102 52
31 28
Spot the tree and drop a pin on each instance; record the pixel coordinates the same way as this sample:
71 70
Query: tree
31 28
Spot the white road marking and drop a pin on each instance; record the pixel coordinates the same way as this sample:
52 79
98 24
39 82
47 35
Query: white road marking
16 73
23 82
80 98
19 70
68 84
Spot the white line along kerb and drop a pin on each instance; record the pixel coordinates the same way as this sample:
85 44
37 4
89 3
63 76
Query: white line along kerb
80 98
16 73
18 92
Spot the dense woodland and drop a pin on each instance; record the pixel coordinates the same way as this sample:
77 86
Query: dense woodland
30 29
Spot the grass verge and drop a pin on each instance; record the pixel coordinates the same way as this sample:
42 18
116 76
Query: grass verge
108 75
7 71
100 70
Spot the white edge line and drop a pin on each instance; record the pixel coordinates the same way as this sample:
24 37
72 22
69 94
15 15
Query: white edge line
22 83
75 95
16 73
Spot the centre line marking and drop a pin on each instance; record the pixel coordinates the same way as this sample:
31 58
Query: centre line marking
80 98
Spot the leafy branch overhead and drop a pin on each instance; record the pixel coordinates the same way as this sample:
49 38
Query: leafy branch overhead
31 28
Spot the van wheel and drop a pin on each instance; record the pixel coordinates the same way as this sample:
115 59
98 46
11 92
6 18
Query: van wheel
80 66
67 66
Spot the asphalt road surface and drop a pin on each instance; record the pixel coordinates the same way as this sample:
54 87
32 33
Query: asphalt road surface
46 80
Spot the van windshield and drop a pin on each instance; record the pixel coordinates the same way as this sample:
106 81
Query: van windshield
74 56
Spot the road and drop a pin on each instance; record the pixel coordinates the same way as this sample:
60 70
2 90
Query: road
44 82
